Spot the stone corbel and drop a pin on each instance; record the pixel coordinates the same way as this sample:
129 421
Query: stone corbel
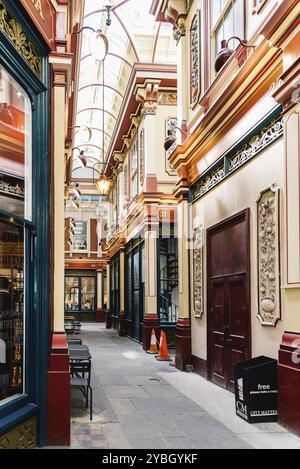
126 141
174 9
119 157
286 90
179 30
147 95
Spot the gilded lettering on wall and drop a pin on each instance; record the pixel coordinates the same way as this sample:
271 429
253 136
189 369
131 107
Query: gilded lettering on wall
195 60
198 272
269 307
14 31
38 6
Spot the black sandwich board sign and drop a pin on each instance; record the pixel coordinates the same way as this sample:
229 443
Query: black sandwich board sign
256 389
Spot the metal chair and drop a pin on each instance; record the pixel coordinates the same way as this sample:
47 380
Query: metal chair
81 378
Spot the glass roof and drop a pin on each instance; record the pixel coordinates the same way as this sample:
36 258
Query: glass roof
133 36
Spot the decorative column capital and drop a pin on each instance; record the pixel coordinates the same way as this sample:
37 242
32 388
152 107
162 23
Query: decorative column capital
147 95
61 66
179 29
286 90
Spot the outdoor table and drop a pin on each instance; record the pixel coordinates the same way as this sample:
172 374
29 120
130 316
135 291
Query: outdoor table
75 347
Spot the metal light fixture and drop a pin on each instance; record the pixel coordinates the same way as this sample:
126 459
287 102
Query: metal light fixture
171 138
98 43
103 185
225 53
81 157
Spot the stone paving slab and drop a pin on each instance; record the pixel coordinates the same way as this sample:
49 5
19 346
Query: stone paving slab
136 404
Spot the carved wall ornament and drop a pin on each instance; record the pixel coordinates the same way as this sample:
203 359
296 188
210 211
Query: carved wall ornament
167 98
197 253
125 179
257 144
179 30
208 182
268 245
195 60
234 160
171 124
9 189
22 437
15 33
142 157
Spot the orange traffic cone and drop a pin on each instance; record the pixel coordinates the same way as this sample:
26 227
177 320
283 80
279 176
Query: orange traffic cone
163 355
153 343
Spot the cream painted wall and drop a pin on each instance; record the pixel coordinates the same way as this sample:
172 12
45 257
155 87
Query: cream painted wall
238 192
59 215
253 22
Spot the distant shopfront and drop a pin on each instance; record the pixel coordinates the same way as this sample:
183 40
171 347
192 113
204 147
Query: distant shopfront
81 294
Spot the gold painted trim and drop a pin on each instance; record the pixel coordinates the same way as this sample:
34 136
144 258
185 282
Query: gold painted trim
14 32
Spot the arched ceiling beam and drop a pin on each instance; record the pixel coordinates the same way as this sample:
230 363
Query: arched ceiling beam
90 145
155 43
100 85
112 54
96 109
128 35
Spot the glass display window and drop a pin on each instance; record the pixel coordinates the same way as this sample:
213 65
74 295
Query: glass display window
11 308
80 292
168 279
15 148
80 239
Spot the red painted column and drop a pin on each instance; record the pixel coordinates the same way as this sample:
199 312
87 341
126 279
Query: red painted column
183 352
289 382
58 393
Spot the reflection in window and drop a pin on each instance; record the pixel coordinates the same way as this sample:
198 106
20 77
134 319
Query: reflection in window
15 148
227 20
80 240
11 308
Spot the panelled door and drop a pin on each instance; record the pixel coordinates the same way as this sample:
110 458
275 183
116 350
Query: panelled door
228 298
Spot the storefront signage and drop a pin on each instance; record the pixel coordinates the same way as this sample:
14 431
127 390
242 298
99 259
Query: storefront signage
43 15
38 6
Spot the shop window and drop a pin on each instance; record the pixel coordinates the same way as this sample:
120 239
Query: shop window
168 279
114 286
227 20
15 148
11 308
134 169
135 286
80 240
80 293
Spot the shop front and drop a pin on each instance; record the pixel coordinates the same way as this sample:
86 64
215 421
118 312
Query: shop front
81 294
24 229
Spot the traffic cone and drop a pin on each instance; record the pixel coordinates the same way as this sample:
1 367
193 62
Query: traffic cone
153 343
163 355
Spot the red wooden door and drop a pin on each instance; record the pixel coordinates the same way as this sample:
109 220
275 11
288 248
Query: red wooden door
228 297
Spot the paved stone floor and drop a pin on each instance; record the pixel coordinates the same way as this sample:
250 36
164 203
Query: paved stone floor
142 403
